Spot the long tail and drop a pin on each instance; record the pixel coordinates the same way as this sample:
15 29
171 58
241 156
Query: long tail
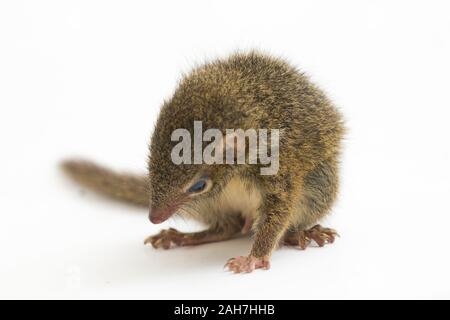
121 186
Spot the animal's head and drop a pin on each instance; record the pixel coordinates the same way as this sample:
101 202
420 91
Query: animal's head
178 187
182 187
175 188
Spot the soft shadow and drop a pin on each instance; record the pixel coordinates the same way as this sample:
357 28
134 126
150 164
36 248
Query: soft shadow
135 263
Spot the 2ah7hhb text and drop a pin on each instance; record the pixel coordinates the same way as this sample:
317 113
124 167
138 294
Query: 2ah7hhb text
225 310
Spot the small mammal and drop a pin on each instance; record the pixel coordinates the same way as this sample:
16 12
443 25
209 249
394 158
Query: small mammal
245 90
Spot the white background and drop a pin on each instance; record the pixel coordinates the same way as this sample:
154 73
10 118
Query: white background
86 78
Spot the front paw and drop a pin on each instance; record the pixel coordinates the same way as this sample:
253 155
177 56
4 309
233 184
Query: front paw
243 264
166 239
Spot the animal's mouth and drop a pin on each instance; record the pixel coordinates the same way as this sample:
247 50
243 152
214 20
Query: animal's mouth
159 215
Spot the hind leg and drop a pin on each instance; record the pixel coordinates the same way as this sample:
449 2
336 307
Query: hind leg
320 189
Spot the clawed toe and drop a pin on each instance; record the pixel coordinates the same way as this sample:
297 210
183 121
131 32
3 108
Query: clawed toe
165 239
322 235
244 264
303 239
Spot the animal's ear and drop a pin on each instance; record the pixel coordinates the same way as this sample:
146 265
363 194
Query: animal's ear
231 147
223 147
240 146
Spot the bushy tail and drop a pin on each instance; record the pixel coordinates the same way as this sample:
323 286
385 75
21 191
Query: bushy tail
125 187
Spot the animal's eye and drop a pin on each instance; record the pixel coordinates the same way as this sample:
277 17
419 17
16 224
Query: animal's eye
198 186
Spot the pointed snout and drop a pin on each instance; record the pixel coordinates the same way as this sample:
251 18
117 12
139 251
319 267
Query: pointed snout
158 215
163 212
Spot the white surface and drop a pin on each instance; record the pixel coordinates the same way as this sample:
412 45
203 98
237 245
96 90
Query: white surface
86 78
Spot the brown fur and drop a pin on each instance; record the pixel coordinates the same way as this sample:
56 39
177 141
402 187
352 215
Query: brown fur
244 91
